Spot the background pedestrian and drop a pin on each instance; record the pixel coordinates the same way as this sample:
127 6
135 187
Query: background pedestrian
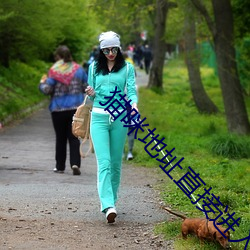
147 54
65 84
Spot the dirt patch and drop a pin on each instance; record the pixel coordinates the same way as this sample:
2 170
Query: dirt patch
51 234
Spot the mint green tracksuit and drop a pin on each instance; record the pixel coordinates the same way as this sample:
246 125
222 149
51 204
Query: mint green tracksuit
109 136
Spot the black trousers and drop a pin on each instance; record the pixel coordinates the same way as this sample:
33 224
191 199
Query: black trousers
62 122
147 65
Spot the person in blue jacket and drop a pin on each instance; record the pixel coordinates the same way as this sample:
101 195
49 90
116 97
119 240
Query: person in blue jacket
65 83
108 72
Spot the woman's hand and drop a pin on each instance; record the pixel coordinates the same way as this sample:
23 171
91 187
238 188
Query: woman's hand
43 79
90 91
134 106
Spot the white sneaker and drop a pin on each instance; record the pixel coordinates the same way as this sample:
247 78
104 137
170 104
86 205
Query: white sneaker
58 171
129 156
111 214
76 170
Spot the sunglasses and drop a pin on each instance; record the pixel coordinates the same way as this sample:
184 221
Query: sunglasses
106 51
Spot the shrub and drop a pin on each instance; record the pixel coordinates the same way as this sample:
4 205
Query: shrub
231 146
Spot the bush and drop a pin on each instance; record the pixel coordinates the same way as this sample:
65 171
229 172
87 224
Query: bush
231 146
19 88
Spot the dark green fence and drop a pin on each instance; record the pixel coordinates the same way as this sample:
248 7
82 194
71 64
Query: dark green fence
208 58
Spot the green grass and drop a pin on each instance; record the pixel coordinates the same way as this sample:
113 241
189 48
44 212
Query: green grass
19 87
231 146
221 159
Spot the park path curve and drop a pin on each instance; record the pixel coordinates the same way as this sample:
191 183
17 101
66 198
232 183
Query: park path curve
43 210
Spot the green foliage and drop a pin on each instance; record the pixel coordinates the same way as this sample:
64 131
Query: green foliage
176 119
241 17
28 33
128 18
243 60
19 87
175 25
176 19
231 146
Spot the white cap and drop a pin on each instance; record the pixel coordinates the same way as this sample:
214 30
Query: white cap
109 39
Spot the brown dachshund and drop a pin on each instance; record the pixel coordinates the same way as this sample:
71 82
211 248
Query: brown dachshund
209 232
202 228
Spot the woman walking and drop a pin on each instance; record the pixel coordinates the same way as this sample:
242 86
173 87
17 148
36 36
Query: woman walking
108 72
65 84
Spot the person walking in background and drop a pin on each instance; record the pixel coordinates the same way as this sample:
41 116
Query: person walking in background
147 54
108 72
130 139
65 84
92 57
139 56
130 134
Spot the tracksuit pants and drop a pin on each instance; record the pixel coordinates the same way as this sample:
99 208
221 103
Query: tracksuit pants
108 139
130 140
62 122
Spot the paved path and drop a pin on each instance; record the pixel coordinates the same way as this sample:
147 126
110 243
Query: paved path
26 163
30 192
141 78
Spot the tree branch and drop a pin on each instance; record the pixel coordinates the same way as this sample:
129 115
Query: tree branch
202 9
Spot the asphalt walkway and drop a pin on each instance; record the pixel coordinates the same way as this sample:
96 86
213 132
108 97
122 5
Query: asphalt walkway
31 190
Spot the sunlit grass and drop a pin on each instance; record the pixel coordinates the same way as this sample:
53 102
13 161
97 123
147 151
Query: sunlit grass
193 135
175 118
19 87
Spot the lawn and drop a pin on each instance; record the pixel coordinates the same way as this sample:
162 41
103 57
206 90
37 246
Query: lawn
19 88
222 160
198 141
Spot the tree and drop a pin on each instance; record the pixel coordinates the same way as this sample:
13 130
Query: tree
127 17
159 44
28 33
223 38
201 99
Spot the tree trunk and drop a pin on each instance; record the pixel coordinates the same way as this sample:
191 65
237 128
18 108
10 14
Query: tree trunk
159 47
235 109
201 99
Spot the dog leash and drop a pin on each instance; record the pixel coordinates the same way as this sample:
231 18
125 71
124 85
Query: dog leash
172 166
